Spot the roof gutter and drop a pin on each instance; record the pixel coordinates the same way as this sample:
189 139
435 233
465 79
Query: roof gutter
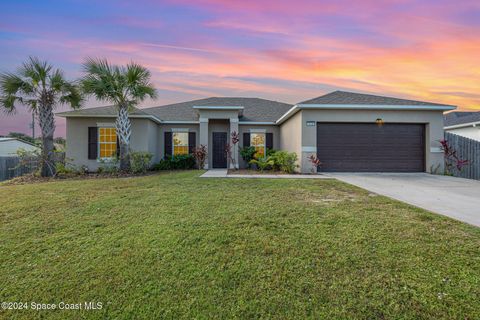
132 116
463 125
298 107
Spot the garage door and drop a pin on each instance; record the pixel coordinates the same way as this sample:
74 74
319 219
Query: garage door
367 147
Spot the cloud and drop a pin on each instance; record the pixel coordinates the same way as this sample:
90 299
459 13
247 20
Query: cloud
281 50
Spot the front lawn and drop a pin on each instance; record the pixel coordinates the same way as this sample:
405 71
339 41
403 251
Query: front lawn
177 246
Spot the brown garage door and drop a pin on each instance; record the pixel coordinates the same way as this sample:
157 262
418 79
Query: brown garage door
366 147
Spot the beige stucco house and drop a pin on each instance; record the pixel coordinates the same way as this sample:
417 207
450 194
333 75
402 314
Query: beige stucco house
346 131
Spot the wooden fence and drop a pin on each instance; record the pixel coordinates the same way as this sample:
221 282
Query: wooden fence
467 149
9 166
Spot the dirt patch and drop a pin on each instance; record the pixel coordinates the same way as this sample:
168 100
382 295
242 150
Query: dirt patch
330 198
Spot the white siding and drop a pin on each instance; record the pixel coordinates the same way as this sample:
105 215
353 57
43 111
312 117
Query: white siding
10 147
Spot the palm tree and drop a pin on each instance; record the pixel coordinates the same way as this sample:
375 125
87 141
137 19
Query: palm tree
41 88
123 86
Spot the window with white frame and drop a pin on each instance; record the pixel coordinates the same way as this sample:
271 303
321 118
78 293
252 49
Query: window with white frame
180 143
257 140
107 142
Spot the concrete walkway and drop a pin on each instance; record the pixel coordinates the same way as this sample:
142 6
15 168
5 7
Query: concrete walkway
223 173
453 197
215 173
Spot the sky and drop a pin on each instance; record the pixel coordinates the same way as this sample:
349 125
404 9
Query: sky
286 51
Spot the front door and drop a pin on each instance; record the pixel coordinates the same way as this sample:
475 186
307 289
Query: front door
219 159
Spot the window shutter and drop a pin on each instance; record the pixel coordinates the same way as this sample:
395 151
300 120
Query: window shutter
118 147
191 142
269 140
167 143
92 143
246 139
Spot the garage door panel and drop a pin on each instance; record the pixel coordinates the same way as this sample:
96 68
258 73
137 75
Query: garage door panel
368 147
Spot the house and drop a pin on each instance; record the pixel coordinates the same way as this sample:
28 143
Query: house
465 124
347 131
10 146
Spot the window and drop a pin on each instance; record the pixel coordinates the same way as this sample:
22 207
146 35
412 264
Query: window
107 142
180 143
257 140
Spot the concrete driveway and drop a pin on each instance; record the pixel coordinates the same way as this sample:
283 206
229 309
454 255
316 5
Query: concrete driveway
453 197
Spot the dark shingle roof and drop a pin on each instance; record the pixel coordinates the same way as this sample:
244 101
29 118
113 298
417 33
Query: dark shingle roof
100 111
460 117
255 109
343 97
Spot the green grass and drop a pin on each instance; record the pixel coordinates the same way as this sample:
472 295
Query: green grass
176 246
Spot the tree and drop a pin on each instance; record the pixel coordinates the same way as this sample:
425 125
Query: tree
41 88
123 86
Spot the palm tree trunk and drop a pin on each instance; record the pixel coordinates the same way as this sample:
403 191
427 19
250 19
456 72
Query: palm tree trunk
123 127
47 124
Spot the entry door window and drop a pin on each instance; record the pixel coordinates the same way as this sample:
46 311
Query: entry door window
180 143
257 140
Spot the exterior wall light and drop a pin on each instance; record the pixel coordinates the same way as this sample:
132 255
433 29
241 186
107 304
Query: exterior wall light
379 122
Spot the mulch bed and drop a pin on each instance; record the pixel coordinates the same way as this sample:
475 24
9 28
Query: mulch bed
256 172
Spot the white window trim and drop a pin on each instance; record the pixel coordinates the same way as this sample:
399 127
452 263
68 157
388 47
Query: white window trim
104 126
179 130
258 130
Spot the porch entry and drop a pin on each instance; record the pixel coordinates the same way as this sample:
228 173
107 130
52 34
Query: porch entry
219 157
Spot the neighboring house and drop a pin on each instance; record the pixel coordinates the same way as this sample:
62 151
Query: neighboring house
9 146
347 131
465 124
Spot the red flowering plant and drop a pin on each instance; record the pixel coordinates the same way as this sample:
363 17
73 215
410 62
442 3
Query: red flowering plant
234 138
200 155
316 163
451 159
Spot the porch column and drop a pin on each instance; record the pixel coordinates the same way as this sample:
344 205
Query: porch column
234 128
204 137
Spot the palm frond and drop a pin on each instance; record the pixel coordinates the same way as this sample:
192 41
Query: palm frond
72 95
11 88
138 82
100 79
36 70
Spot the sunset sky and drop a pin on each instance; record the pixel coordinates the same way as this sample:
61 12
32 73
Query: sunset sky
282 50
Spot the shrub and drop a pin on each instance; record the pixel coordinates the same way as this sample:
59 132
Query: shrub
164 164
451 159
109 166
140 161
316 163
183 161
63 169
200 155
284 161
263 163
248 154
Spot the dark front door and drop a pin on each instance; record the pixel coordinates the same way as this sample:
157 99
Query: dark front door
219 159
392 147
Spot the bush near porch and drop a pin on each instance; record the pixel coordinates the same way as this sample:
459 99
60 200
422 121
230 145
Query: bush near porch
276 160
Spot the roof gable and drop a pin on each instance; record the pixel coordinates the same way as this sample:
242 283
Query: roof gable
352 98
